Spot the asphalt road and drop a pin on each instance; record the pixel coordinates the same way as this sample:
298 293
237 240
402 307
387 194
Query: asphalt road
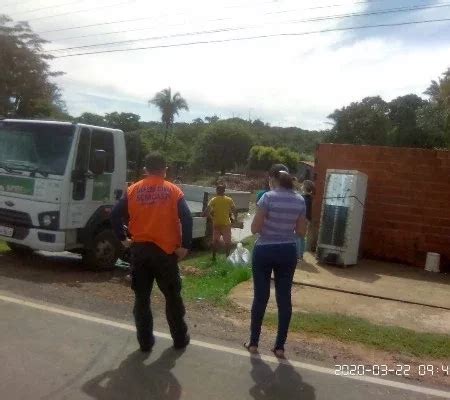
50 352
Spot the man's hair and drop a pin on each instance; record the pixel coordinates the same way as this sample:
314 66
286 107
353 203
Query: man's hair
155 162
309 187
220 189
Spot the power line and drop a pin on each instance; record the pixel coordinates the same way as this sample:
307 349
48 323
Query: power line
317 19
257 37
148 18
14 3
82 11
45 8
170 25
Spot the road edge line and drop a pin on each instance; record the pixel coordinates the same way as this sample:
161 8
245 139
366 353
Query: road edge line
225 349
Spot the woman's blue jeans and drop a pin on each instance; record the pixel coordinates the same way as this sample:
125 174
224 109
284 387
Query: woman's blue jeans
282 260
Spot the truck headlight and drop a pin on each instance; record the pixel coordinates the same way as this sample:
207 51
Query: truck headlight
46 220
49 220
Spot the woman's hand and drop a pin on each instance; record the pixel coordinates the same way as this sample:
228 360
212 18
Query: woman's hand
258 221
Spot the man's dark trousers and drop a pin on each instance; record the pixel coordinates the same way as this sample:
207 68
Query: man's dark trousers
150 263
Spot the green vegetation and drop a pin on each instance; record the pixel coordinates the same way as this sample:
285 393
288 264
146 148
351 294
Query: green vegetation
212 282
261 158
407 121
169 106
210 144
351 329
3 247
216 283
27 89
223 146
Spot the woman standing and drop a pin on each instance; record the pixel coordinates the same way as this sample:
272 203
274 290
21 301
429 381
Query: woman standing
279 218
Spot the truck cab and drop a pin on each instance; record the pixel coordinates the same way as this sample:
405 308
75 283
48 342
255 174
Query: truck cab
58 183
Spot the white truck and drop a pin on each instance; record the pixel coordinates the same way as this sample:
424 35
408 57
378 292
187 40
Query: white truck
59 182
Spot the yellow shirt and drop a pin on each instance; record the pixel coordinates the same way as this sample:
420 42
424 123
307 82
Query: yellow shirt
221 208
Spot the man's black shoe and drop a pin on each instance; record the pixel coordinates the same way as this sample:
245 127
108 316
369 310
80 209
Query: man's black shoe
146 349
181 344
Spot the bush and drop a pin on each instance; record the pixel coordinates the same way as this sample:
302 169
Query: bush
262 158
223 146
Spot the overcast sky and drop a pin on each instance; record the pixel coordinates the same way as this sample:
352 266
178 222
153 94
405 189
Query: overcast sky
284 80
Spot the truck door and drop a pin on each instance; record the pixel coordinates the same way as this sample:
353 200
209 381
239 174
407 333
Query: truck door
89 191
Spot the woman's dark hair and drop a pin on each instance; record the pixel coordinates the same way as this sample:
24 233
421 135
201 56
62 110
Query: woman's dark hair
281 173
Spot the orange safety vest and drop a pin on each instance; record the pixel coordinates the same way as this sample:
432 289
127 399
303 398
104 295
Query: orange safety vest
153 211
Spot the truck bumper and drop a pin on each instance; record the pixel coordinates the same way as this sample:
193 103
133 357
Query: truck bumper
41 239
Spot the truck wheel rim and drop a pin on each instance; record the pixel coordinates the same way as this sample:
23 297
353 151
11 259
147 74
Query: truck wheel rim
105 251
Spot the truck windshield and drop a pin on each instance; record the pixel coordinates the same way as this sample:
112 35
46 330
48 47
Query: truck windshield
35 147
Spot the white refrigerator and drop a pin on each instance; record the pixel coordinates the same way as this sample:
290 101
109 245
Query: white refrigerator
341 217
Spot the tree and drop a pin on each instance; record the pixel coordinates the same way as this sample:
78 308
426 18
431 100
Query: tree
198 121
127 122
289 158
136 151
439 91
169 106
364 122
91 119
432 119
212 120
26 87
223 146
402 114
261 158
435 117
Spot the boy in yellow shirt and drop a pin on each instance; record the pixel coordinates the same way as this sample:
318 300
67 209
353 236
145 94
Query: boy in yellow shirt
221 208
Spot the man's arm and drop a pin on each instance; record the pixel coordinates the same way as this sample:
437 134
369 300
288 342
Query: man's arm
119 213
234 213
184 214
208 211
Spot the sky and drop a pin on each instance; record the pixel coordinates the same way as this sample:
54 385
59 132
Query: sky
285 80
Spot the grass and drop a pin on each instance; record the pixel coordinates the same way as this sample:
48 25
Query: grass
215 280
3 247
216 283
351 329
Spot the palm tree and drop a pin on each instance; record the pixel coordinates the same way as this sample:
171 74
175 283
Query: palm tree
169 107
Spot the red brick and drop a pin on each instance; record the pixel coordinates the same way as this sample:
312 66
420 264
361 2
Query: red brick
407 208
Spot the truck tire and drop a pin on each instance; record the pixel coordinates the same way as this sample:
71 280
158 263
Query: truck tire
204 243
104 252
19 249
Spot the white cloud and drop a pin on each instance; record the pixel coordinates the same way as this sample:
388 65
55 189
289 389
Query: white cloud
283 80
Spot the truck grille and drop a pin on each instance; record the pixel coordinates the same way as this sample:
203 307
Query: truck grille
15 218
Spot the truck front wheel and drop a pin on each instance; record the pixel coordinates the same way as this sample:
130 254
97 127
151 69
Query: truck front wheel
104 251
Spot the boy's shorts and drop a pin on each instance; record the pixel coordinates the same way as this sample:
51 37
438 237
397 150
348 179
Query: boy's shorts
222 231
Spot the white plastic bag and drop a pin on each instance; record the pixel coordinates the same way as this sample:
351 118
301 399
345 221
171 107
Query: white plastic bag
240 256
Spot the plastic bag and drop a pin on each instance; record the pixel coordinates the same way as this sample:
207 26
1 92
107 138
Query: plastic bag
240 256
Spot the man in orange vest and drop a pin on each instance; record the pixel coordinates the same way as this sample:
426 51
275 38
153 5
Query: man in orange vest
160 225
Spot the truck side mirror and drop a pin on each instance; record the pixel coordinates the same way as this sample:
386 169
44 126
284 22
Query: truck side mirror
98 164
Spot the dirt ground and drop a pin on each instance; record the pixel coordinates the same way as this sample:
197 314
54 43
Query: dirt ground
64 281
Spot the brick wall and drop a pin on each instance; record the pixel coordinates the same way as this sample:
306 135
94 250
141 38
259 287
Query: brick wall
408 199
